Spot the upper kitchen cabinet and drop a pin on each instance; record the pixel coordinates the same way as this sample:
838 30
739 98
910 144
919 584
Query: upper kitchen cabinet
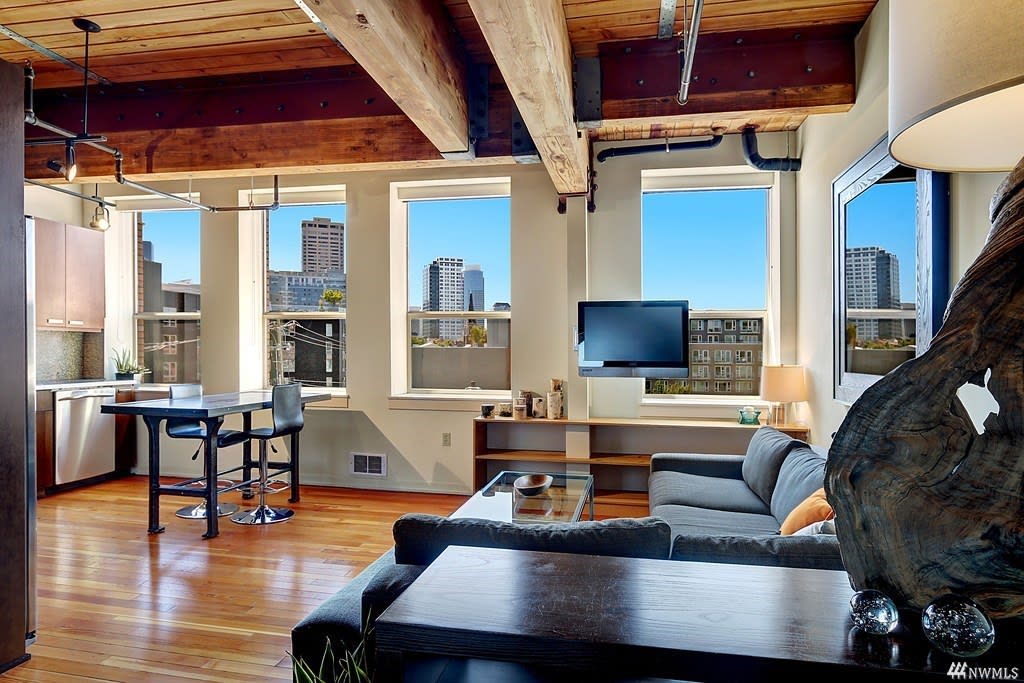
69 277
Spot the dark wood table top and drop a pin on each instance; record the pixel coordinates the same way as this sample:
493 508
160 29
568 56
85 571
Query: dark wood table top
209 405
688 620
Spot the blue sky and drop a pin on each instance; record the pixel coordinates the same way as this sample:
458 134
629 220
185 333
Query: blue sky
175 238
477 230
707 247
885 215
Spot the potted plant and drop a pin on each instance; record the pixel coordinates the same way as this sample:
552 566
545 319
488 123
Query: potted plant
333 298
125 365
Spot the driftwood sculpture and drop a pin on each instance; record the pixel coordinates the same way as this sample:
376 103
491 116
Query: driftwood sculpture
925 504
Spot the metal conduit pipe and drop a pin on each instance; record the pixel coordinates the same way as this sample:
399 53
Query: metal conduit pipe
759 162
713 141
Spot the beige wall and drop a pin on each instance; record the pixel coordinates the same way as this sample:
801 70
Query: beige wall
829 144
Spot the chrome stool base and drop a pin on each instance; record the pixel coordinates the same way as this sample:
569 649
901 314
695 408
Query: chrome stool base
264 514
199 511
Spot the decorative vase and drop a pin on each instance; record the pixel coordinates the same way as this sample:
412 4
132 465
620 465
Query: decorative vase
124 375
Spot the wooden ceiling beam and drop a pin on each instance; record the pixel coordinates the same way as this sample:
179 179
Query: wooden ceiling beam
408 47
806 71
531 48
368 143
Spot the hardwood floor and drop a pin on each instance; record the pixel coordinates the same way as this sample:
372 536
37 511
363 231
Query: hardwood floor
116 604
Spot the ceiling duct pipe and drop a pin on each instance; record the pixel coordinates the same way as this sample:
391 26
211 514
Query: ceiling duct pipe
630 150
759 162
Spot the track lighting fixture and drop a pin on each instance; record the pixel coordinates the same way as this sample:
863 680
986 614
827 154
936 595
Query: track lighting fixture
101 215
68 169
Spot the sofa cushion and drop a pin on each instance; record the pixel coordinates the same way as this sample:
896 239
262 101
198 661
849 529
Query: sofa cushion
337 618
812 509
766 452
819 551
801 474
678 488
420 538
687 519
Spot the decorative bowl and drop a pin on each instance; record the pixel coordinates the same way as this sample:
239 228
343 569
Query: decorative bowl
532 484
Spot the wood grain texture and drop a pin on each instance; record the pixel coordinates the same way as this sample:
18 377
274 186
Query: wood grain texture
531 47
408 47
924 504
620 617
119 605
15 428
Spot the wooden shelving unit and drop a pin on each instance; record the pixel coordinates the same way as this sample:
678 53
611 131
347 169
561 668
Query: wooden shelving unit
616 451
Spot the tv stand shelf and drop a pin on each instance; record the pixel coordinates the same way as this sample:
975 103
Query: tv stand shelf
617 451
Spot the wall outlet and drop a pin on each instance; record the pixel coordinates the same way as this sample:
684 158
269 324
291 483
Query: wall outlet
446 439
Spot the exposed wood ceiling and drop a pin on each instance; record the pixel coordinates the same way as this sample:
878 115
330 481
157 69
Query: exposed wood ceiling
207 87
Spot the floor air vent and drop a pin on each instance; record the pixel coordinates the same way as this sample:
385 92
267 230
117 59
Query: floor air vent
368 464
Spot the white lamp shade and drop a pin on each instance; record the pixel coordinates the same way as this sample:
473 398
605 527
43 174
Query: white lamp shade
783 383
956 84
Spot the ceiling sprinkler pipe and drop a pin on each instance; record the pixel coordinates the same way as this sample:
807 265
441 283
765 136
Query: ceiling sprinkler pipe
686 69
759 162
713 141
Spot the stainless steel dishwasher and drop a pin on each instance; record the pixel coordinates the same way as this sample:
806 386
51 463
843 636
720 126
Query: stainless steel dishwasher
84 443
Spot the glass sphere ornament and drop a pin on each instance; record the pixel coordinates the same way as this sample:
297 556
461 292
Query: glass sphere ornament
957 626
873 612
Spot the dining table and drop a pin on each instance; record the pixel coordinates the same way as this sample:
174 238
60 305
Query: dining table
210 410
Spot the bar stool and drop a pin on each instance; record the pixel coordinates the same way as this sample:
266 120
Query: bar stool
185 428
286 405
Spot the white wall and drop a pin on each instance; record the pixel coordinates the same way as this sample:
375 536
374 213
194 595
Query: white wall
828 145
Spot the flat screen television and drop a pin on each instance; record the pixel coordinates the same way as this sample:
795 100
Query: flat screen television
633 338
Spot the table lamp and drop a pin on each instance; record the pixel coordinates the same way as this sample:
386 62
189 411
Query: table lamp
782 384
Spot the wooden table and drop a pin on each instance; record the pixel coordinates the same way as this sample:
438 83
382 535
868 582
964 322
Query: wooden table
210 410
606 617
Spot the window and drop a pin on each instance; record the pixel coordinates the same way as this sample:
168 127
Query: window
306 295
744 388
744 372
171 345
744 356
168 294
700 356
458 285
699 372
696 338
727 293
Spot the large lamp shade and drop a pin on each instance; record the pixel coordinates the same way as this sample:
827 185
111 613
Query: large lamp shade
956 84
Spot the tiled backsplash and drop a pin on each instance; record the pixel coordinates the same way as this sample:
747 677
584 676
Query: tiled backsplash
68 355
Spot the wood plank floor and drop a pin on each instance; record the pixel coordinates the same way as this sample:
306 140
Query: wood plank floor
116 604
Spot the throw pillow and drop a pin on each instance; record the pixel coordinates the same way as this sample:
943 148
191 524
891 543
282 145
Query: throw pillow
767 450
817 528
814 509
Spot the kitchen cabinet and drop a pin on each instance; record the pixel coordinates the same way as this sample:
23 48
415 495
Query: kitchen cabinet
69 277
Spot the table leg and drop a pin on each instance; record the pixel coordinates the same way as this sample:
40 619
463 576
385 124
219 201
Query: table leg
153 427
247 456
295 469
212 428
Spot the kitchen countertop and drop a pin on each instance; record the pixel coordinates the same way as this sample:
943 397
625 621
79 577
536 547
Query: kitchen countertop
58 384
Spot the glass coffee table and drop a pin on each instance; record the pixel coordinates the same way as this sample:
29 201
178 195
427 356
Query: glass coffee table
563 501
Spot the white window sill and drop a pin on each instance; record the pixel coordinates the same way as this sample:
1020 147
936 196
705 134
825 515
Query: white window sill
704 407
461 401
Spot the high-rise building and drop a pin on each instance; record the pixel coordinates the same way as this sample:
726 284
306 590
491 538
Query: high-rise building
473 286
443 290
873 281
323 246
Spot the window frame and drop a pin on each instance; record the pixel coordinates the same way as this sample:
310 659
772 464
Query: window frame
401 194
779 239
311 196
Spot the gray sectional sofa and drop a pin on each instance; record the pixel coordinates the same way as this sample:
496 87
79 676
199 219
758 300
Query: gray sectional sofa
713 508
729 508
